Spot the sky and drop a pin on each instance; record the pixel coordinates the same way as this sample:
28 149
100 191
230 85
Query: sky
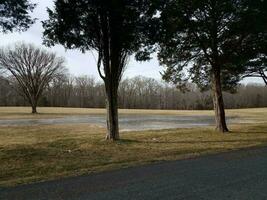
79 63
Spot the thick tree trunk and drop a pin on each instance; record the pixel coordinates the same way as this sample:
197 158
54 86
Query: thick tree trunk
34 106
34 110
218 102
112 113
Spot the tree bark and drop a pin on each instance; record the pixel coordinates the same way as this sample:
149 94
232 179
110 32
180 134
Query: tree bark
34 110
218 103
112 112
264 77
33 103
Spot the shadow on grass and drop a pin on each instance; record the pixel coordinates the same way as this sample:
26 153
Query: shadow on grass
129 141
210 141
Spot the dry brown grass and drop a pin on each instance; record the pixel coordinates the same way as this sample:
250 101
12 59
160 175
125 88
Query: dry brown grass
37 153
45 112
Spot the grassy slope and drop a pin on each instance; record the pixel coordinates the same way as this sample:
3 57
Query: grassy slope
37 153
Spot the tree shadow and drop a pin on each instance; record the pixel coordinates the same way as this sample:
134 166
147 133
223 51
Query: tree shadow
129 141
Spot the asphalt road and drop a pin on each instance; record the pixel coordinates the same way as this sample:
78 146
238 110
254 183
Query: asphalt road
239 175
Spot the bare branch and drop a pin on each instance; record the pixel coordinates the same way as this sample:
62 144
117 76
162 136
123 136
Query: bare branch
32 67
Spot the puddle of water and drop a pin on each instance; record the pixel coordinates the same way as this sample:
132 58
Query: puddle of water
127 122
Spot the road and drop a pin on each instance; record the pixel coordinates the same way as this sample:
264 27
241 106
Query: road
236 175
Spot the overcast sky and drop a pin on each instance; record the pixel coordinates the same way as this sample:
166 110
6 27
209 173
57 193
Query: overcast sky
77 62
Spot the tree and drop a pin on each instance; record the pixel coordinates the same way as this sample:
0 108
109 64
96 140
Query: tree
113 28
15 15
257 68
33 69
209 42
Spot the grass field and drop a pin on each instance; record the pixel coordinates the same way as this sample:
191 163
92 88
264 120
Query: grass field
37 153
45 112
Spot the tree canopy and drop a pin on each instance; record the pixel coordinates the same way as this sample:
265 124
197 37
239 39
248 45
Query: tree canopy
15 15
82 24
199 34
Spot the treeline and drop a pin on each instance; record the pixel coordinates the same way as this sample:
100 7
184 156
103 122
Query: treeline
135 93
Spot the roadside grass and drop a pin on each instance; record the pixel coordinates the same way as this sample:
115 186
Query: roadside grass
38 153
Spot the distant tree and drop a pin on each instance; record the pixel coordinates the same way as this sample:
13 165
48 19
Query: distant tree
112 28
209 42
65 91
33 69
85 91
4 90
15 15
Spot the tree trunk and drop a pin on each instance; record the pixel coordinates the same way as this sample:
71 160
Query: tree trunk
34 110
264 77
34 105
218 102
112 112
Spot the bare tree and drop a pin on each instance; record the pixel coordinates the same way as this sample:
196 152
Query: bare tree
33 69
134 93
